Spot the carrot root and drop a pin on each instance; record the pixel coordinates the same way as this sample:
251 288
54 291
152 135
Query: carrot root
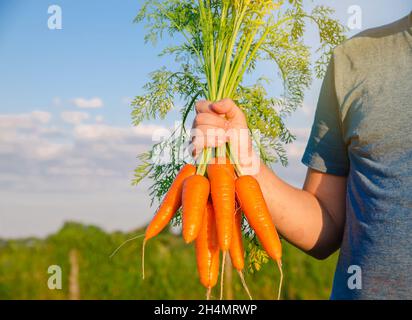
242 278
123 243
279 264
222 278
208 291
143 246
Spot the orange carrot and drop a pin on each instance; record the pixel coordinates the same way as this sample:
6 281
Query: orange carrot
236 251
222 185
207 251
169 206
194 198
222 188
253 204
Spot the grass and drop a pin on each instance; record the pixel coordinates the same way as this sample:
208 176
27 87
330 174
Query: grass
170 269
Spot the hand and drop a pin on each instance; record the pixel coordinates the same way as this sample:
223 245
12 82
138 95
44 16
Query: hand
219 122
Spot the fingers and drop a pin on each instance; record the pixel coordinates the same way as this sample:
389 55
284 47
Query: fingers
209 129
228 108
212 122
209 119
203 106
225 107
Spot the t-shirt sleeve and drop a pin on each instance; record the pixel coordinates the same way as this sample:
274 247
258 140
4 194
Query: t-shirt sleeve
326 150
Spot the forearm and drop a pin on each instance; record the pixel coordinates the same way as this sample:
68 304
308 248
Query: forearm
299 215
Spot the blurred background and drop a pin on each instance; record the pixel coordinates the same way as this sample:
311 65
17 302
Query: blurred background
68 150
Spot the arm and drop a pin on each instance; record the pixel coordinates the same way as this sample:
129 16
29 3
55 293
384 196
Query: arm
313 218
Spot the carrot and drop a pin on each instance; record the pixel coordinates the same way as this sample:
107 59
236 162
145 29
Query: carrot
168 208
236 251
170 204
207 251
222 188
253 204
194 198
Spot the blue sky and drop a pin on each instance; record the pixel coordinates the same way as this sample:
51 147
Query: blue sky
67 148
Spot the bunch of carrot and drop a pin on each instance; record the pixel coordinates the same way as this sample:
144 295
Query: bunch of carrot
225 38
213 197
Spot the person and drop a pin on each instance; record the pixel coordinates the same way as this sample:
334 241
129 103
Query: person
358 187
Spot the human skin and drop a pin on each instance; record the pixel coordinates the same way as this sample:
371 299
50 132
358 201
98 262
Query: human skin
311 218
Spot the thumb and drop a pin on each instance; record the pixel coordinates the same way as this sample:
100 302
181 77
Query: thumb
228 108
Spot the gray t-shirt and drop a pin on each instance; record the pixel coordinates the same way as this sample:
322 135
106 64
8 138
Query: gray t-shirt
362 130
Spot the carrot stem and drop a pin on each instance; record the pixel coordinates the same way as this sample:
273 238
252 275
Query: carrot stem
279 264
234 161
221 151
222 275
204 160
242 278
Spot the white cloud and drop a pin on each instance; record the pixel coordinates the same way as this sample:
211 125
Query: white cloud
24 120
296 149
295 172
21 144
302 134
92 103
38 155
20 120
150 130
99 118
64 171
74 117
49 130
103 131
41 116
47 151
99 131
307 110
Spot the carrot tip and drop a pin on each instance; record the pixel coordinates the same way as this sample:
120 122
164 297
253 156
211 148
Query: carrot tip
143 247
279 263
188 240
123 243
242 279
209 290
222 275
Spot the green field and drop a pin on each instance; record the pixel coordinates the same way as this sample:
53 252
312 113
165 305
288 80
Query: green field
170 269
